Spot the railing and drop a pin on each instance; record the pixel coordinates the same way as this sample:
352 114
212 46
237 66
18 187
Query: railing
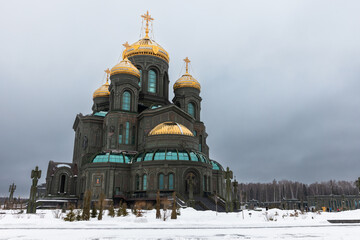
220 201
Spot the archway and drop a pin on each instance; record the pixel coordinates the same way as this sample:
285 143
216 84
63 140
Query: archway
62 183
192 177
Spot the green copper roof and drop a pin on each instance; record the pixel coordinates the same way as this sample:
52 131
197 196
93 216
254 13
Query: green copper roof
100 114
113 158
171 154
216 165
155 106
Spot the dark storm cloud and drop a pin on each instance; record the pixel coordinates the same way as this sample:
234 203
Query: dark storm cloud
280 80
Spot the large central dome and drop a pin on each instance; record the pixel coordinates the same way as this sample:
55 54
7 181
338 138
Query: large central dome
146 46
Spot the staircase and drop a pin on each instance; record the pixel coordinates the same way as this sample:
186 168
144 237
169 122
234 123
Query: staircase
203 203
180 201
207 203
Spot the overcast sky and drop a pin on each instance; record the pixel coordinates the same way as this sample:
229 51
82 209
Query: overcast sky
280 80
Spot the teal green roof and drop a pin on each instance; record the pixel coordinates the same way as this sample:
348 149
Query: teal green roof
216 165
155 106
171 154
100 114
113 158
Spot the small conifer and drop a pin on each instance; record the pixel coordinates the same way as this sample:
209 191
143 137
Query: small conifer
134 209
93 211
86 206
101 203
111 210
124 211
78 215
119 211
70 216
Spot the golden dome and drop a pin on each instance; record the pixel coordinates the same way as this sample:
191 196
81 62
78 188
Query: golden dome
170 128
187 80
103 91
125 66
146 46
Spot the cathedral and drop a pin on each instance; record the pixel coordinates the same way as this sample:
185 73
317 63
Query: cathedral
136 142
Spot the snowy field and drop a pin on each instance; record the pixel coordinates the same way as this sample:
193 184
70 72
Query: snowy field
191 224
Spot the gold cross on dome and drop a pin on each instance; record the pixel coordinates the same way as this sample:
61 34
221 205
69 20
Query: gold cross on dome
126 45
107 74
187 60
147 18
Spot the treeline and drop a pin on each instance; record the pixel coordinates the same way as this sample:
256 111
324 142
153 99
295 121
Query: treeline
284 189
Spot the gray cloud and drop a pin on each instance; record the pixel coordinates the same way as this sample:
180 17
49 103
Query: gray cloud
280 80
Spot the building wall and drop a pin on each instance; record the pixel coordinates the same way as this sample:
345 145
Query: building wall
88 138
97 134
145 63
341 202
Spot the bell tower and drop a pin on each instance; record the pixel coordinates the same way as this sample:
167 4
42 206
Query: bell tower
121 121
187 93
187 97
101 96
152 60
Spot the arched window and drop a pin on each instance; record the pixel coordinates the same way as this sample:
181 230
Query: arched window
62 183
144 182
140 78
137 182
121 134
191 109
200 143
171 181
204 183
127 130
208 183
133 135
152 81
126 99
161 181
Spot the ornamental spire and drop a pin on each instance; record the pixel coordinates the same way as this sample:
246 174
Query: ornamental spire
147 18
126 45
187 60
107 75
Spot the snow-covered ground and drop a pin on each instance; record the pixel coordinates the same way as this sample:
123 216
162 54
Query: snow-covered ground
191 224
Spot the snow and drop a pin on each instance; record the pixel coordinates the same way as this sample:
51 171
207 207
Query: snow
191 224
63 165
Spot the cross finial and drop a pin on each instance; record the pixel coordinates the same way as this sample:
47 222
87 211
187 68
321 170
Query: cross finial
187 60
107 74
126 45
147 18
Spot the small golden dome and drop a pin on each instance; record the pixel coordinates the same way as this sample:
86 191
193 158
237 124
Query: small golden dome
146 46
170 128
187 80
125 66
103 91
